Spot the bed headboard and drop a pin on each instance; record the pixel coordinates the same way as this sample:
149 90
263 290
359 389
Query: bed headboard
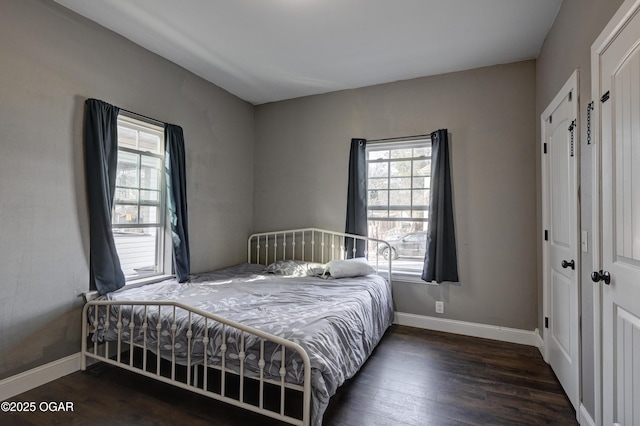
314 245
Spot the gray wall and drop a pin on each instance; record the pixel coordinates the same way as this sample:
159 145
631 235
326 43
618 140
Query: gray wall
51 60
566 48
301 162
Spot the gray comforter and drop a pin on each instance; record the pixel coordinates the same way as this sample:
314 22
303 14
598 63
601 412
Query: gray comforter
337 321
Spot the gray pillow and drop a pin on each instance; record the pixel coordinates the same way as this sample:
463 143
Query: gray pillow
294 268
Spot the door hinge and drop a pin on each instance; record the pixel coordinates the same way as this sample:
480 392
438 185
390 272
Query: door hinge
570 95
605 97
546 235
546 322
551 119
580 325
544 147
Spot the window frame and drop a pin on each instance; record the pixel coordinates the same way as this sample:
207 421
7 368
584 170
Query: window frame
397 144
163 264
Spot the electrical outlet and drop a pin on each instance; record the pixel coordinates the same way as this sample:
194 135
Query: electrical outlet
439 307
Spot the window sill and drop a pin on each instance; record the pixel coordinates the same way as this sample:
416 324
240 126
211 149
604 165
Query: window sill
93 294
148 280
405 277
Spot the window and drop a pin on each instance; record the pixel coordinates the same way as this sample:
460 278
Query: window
398 183
139 213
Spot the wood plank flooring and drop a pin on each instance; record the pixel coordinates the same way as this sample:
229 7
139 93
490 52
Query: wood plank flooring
414 377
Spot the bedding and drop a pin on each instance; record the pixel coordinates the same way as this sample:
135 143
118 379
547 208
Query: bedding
338 322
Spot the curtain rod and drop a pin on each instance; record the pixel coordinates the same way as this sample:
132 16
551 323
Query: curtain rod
143 116
398 138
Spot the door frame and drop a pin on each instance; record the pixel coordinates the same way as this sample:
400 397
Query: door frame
619 20
572 85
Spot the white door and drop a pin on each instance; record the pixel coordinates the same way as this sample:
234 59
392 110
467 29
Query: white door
561 267
618 83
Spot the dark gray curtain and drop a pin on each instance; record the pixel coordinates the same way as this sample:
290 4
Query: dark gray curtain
101 160
440 260
357 196
177 199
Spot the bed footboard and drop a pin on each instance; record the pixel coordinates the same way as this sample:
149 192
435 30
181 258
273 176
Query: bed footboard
203 353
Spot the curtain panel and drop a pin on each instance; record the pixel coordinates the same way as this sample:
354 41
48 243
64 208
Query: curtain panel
177 199
101 160
440 261
357 197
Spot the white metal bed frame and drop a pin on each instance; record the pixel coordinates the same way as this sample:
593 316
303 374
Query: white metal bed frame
309 244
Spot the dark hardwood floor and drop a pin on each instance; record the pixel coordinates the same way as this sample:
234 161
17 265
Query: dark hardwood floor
414 377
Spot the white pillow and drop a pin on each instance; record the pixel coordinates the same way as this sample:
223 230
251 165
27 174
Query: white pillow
349 268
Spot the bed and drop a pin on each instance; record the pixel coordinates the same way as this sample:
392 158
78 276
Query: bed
277 335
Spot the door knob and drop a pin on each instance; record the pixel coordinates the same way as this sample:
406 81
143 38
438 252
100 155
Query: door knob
601 276
566 264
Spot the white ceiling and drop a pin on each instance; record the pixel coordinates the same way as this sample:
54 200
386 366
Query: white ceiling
270 50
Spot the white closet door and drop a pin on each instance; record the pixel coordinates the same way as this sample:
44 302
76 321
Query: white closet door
619 87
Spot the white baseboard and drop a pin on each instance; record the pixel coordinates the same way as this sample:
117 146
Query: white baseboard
585 417
540 342
485 331
15 385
